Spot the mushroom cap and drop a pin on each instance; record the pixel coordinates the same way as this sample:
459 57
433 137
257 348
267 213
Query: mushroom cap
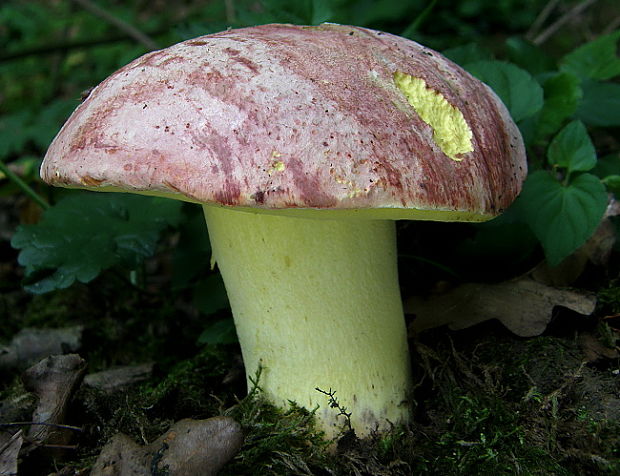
297 119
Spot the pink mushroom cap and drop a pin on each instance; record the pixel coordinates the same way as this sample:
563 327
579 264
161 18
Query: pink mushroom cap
290 117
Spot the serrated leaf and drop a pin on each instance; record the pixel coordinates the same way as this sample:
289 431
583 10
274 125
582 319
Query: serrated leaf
519 91
14 132
86 233
600 105
562 95
572 149
597 59
562 216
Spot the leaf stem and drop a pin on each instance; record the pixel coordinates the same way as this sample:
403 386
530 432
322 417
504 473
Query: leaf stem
23 186
437 265
418 20
122 25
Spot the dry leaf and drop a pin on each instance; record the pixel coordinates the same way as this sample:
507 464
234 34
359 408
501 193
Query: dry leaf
113 380
31 345
9 451
594 349
189 447
524 306
53 380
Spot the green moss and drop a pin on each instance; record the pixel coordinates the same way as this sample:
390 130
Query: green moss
609 297
484 434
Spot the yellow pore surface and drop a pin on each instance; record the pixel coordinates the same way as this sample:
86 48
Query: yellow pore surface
450 130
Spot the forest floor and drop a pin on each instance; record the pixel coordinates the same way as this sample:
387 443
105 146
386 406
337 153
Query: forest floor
485 400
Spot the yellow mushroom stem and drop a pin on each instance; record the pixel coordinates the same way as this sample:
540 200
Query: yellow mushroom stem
316 304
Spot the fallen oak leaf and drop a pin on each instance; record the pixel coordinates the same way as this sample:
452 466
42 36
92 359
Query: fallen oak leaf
524 306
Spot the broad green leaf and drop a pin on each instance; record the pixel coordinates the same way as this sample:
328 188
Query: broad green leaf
607 165
613 183
220 332
562 95
86 233
210 294
600 105
561 216
519 91
321 11
528 56
597 59
572 149
192 255
14 132
469 53
366 12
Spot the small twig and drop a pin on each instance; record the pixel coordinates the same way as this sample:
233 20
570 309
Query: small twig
46 49
41 423
27 189
230 11
541 19
555 26
125 27
613 26
62 447
418 20
333 403
18 434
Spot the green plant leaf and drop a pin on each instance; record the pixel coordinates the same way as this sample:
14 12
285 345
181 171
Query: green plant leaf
572 149
519 91
607 165
321 11
597 59
528 56
210 295
220 332
192 255
469 53
600 105
562 95
86 233
613 183
561 216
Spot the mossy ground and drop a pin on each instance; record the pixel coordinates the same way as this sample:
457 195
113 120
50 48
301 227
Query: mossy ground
485 401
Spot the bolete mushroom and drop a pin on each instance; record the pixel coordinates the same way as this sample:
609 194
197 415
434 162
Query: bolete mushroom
303 145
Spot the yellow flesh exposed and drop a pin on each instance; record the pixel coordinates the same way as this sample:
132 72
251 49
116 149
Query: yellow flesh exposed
450 130
317 304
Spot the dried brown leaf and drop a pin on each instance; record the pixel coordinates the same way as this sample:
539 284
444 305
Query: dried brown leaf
54 380
524 306
10 444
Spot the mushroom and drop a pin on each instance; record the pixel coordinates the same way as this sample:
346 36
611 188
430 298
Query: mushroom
304 144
